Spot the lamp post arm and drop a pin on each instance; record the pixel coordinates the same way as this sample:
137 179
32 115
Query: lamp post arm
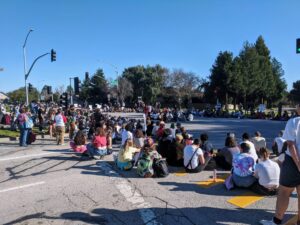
27 74
26 38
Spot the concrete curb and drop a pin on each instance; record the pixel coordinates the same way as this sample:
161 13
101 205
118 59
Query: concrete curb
8 139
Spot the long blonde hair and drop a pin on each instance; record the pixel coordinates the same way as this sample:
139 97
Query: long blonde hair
128 143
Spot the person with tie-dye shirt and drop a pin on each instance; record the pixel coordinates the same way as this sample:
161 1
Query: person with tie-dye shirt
243 168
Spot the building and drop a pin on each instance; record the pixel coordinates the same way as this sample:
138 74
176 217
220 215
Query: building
3 97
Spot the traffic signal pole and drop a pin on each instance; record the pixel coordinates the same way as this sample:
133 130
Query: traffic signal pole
25 71
71 96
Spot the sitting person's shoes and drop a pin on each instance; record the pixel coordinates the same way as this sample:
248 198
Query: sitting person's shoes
269 222
97 157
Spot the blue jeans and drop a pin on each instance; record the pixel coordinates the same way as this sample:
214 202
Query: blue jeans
23 136
94 151
244 182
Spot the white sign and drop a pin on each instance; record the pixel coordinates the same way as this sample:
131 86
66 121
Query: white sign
261 108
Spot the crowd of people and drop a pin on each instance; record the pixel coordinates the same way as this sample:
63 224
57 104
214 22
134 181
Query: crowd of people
150 146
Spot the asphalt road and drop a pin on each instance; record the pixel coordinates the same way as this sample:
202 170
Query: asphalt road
48 184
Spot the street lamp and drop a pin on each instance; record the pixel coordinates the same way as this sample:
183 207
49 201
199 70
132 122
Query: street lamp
25 72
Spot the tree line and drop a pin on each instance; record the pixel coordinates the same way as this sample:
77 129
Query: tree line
250 78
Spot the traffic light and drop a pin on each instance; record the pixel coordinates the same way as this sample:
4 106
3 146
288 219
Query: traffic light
77 85
87 76
298 46
63 100
29 87
49 90
53 55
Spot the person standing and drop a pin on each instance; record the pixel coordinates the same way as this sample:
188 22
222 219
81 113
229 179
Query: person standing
290 171
22 118
59 127
41 117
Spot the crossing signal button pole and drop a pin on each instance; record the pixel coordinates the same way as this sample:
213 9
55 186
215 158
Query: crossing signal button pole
298 46
53 55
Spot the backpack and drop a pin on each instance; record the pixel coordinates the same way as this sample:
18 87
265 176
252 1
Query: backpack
160 168
31 137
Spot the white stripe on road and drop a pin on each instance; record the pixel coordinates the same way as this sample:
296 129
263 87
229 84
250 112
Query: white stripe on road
131 195
27 156
34 155
23 186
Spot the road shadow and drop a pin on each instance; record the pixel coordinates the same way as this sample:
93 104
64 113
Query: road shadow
165 215
192 186
19 171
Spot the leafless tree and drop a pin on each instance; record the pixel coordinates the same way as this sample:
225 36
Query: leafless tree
124 89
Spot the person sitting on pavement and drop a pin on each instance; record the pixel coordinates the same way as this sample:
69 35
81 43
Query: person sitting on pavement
194 161
109 140
267 172
258 141
160 131
252 151
79 143
173 130
278 143
178 130
98 148
138 141
150 125
126 133
225 155
175 152
206 146
125 159
164 143
154 130
243 167
187 139
139 138
145 162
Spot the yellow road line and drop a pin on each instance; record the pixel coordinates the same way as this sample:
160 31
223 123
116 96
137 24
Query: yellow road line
180 173
210 182
245 199
292 221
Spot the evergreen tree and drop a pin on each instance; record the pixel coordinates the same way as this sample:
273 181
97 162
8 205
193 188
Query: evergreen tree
280 84
266 83
295 92
250 74
95 89
147 81
220 76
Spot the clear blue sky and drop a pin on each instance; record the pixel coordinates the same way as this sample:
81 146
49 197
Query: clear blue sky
187 34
